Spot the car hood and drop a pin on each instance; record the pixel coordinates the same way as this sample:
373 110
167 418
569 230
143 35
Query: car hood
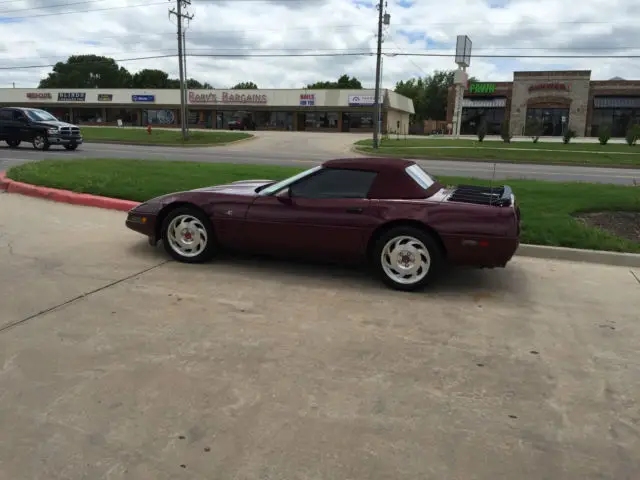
242 187
53 123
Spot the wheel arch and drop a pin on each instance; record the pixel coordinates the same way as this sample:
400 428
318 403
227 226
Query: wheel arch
167 209
382 229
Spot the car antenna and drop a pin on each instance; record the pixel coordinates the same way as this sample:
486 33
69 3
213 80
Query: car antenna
491 185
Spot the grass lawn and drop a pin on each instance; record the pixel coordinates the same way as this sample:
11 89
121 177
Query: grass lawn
547 207
612 155
159 137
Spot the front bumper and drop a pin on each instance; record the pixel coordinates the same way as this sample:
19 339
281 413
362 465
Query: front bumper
144 223
64 140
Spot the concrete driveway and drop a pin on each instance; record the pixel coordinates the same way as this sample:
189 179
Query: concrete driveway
115 363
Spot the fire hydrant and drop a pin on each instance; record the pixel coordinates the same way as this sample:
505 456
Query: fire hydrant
149 129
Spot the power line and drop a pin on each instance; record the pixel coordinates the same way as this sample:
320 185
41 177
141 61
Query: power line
55 14
345 54
55 5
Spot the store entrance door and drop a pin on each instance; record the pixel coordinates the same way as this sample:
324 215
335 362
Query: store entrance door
345 121
555 121
301 122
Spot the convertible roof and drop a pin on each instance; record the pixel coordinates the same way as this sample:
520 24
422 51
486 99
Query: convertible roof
376 164
392 181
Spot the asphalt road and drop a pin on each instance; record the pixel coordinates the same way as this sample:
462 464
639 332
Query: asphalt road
307 154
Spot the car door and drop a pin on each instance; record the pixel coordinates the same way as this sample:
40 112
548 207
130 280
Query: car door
325 215
6 123
22 129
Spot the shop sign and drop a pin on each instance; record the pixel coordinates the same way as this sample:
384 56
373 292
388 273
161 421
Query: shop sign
39 95
482 88
71 97
550 86
143 98
105 97
307 99
362 100
227 97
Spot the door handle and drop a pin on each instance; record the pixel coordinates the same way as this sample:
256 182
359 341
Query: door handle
354 210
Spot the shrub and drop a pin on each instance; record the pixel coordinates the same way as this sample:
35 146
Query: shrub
504 132
605 135
633 133
568 135
482 131
534 129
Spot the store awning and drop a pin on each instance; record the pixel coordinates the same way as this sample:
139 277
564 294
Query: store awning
616 102
484 102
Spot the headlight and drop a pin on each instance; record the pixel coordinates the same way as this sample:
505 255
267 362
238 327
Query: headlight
52 131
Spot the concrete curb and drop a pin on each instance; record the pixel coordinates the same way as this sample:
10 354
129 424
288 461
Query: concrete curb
490 161
579 255
631 260
65 196
171 145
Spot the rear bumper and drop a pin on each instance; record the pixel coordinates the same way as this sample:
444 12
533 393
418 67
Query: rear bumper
486 252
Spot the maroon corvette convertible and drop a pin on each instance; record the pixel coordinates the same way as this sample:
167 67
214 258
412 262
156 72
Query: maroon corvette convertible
388 212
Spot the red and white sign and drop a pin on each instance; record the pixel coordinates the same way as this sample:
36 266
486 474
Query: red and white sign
38 95
550 86
228 98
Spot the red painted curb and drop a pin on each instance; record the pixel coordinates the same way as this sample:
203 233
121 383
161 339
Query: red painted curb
65 196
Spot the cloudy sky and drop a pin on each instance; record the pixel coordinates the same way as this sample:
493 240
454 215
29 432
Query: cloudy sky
42 32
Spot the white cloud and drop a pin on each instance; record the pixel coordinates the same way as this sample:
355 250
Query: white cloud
517 27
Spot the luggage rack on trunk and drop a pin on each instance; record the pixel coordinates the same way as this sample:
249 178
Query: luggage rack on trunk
500 196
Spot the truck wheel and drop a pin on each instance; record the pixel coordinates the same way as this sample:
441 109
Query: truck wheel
72 146
13 143
40 142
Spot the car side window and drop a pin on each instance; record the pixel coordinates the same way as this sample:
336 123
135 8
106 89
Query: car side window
335 183
18 115
6 115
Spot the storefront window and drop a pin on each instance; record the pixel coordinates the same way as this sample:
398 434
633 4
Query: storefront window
321 120
360 120
128 116
554 121
159 117
87 115
617 119
472 118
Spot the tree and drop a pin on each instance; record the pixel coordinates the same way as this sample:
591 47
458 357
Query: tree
87 71
245 86
152 78
429 94
344 82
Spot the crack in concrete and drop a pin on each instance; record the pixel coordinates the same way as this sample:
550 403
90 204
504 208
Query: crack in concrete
635 276
8 326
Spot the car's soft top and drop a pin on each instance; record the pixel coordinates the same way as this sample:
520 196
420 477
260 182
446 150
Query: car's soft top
393 182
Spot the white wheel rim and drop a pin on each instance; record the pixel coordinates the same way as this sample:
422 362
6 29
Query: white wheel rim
405 260
187 236
39 141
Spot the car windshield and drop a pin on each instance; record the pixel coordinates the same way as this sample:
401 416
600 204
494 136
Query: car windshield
283 183
40 115
421 177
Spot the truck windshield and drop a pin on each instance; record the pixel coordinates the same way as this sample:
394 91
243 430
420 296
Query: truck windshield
40 115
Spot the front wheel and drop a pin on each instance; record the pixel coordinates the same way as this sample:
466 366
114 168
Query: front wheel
40 142
71 147
407 258
187 235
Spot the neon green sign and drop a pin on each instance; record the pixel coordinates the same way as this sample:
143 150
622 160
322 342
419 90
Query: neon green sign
482 88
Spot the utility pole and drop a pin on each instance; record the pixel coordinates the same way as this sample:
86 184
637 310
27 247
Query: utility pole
186 80
181 16
377 90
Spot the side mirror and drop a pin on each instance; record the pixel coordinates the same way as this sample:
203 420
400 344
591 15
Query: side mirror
285 196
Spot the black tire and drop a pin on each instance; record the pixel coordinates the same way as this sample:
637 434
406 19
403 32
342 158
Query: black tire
40 142
431 251
13 143
200 223
71 147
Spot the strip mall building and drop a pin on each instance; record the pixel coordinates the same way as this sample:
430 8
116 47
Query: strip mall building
322 110
559 100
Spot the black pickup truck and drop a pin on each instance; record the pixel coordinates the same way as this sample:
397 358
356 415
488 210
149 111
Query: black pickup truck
37 127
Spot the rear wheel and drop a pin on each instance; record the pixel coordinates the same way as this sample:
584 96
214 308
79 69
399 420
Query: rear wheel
188 236
407 258
13 143
72 146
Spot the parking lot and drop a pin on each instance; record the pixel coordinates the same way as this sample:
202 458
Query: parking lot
116 363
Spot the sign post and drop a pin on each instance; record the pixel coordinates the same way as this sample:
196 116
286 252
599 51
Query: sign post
463 60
